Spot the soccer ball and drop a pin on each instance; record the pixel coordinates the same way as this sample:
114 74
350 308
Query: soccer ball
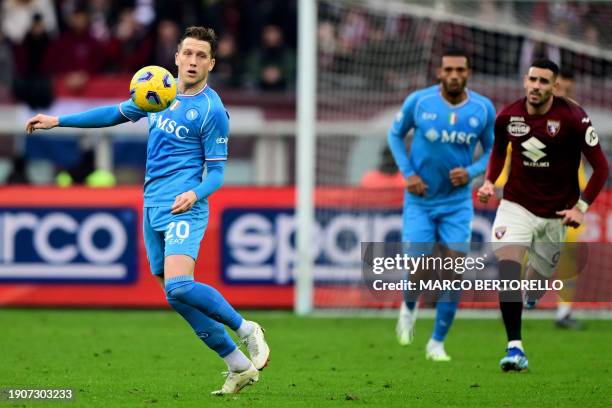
153 88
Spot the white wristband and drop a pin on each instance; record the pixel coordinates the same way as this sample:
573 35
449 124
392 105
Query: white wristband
582 206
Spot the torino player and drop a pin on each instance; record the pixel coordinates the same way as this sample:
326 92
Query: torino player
541 198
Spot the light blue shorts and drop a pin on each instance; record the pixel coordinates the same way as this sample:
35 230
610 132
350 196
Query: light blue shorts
449 224
168 234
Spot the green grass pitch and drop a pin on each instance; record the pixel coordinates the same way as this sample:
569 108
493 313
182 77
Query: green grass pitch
152 359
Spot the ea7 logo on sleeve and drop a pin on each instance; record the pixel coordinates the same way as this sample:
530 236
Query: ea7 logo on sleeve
221 140
590 136
518 129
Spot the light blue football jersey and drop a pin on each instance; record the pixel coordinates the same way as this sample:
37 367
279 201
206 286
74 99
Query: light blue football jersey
445 137
194 129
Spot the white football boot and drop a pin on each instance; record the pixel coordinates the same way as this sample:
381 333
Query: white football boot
435 352
258 349
405 324
234 382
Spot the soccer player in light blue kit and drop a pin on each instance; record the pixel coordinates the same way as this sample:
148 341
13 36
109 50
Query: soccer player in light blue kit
183 139
448 121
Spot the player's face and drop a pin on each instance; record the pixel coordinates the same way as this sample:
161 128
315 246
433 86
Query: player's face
194 61
453 74
564 87
539 84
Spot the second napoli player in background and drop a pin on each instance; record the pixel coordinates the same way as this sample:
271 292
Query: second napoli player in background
448 121
183 139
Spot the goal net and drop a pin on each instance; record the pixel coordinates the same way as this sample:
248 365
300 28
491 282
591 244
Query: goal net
372 54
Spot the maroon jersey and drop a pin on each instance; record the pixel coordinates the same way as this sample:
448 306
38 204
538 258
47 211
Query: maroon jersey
546 152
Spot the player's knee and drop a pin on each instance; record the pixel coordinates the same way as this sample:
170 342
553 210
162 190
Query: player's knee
177 288
510 253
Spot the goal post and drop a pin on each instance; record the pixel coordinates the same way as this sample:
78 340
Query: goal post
305 155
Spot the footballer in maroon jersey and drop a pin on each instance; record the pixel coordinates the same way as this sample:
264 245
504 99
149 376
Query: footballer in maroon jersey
542 197
548 135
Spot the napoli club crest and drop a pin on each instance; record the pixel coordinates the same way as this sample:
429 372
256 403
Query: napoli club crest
192 114
499 232
552 127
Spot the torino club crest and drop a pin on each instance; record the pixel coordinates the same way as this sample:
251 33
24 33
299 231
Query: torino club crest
552 127
499 232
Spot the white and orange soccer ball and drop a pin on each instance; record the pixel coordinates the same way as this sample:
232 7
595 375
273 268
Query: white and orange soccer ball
153 88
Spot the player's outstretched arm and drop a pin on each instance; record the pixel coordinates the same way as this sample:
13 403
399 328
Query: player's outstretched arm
95 118
41 121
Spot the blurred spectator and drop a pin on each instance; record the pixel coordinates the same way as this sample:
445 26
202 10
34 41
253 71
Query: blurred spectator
328 44
32 84
228 66
18 174
101 14
532 50
144 12
272 66
185 12
255 16
376 61
214 15
168 35
353 30
565 83
591 35
571 14
6 73
386 176
17 17
132 46
76 52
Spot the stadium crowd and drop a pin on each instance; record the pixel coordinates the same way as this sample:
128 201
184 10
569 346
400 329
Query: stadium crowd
51 45
345 34
75 39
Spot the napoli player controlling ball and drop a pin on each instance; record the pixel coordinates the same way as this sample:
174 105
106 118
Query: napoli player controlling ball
542 197
449 121
191 133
